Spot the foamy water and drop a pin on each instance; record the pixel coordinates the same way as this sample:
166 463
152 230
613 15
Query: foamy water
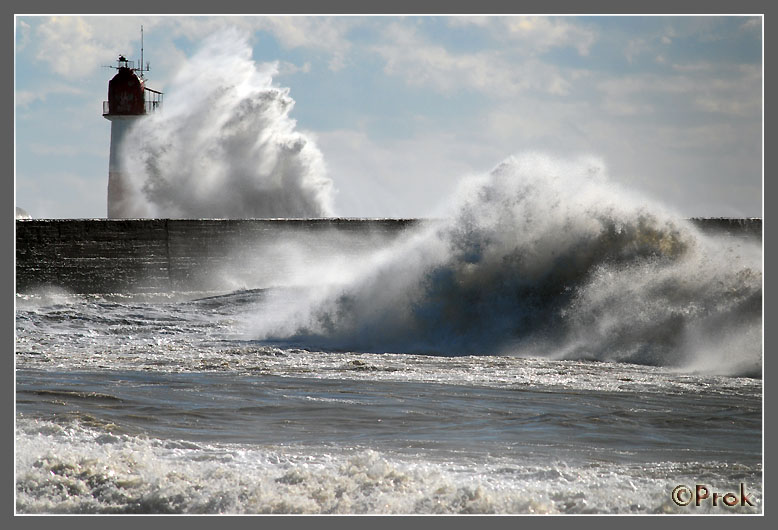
82 470
157 404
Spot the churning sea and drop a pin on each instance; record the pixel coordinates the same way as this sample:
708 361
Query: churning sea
126 405
551 348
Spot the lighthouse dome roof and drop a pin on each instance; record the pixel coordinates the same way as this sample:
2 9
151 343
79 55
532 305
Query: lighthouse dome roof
125 93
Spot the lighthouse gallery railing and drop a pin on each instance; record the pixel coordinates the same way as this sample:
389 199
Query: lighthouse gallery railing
149 107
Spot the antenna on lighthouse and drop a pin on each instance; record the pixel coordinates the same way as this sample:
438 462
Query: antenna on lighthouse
141 50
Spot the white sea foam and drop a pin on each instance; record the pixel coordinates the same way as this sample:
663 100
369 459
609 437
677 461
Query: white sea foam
544 257
224 145
77 469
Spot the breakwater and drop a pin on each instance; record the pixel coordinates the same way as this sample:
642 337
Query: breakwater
160 255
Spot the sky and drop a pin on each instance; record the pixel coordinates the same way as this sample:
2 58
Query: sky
403 108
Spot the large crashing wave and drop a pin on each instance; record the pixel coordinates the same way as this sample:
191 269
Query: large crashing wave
545 258
224 146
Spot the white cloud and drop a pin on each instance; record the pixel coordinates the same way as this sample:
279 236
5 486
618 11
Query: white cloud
287 68
752 24
73 45
540 34
323 34
465 21
626 108
656 44
694 67
731 90
535 35
26 97
77 46
67 45
725 104
635 48
320 33
421 63
22 35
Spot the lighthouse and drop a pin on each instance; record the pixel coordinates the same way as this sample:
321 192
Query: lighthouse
129 99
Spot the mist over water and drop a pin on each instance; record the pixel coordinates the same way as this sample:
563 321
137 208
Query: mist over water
223 145
539 257
544 257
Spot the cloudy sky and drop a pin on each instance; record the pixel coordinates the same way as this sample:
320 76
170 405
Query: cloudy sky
403 108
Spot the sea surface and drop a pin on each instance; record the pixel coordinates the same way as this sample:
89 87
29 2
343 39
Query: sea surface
157 404
552 346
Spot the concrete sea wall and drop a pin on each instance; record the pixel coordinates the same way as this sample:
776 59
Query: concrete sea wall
161 255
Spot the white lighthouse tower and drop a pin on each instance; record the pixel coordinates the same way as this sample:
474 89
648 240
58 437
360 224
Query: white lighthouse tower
129 99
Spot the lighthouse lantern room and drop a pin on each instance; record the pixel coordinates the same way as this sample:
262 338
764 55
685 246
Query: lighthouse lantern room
129 99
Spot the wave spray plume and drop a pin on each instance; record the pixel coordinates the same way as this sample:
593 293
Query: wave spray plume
224 145
543 257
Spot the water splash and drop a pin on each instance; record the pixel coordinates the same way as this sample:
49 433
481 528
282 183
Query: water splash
80 468
224 145
543 257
